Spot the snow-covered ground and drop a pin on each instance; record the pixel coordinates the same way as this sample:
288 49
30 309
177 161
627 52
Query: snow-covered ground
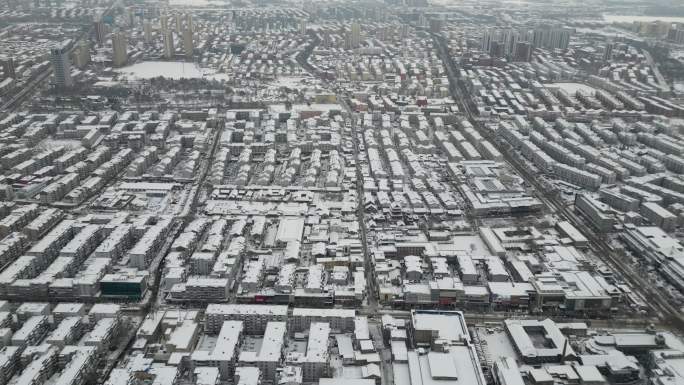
169 69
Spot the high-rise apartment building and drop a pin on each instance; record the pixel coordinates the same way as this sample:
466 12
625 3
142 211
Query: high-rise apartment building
164 21
551 37
608 52
100 32
505 42
179 23
355 35
523 51
188 45
119 49
188 22
500 42
61 64
82 54
147 31
169 50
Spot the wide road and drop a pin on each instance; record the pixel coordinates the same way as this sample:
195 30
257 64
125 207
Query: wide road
657 302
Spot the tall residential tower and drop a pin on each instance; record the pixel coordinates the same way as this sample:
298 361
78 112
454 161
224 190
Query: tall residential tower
61 64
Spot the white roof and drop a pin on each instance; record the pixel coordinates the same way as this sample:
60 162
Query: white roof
33 307
458 366
105 308
102 329
571 231
344 345
84 236
145 186
466 265
227 341
361 331
508 371
271 345
29 326
450 325
183 335
589 374
240 309
164 375
346 381
442 366
247 375
313 312
151 323
523 341
35 368
317 348
202 281
399 350
496 266
76 365
508 289
290 229
64 328
206 375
